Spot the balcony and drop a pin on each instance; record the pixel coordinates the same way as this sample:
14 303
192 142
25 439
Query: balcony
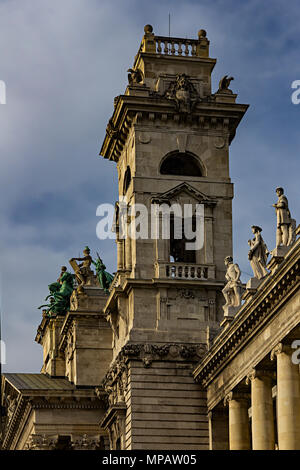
185 271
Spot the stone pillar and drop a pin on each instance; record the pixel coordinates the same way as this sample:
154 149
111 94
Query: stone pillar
288 398
128 251
208 237
263 433
218 429
120 253
239 431
161 244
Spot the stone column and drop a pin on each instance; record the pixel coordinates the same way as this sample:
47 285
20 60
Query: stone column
120 253
263 433
239 431
161 244
288 398
128 251
208 237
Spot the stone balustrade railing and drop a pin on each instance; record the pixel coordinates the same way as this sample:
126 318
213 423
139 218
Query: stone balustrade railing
184 271
176 46
169 46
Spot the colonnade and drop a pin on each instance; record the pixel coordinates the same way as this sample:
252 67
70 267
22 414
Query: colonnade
271 426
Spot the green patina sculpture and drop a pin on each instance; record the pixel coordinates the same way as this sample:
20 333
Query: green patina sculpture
105 279
60 293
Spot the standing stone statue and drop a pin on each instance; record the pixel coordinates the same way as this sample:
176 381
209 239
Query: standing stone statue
231 291
258 253
283 236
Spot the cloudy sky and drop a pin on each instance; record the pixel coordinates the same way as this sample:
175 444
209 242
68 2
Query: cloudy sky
63 61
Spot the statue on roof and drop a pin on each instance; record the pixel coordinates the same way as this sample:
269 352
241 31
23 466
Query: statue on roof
224 83
258 253
232 289
60 293
285 232
83 270
104 278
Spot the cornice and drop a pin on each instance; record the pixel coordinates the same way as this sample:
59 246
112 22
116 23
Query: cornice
134 110
130 283
75 315
150 352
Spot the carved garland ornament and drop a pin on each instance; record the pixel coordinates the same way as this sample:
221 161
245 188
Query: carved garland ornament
115 383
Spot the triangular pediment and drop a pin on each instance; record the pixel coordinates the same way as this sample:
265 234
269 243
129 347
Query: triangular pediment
181 190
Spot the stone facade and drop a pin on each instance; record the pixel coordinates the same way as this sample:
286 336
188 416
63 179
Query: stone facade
153 363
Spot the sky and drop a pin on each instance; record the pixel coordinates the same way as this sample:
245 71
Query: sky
63 62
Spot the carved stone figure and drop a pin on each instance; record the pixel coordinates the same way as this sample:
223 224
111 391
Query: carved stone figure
105 279
111 130
183 92
231 291
258 253
283 235
135 76
83 270
60 293
224 83
11 406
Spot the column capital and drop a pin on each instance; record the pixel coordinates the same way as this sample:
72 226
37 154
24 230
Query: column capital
236 396
259 374
280 348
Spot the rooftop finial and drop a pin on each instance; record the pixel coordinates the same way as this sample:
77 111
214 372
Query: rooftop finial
201 33
148 29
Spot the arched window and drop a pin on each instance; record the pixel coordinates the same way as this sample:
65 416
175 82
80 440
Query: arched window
127 179
181 164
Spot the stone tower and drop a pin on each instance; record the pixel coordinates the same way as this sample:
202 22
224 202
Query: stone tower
169 136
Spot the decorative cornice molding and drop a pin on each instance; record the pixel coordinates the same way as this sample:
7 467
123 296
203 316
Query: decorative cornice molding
150 110
115 382
28 403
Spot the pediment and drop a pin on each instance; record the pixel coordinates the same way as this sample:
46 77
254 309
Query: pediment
183 191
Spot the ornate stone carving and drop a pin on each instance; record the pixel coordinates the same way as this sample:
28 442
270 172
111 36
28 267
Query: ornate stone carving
144 138
11 404
187 294
86 442
116 380
224 84
219 142
259 373
135 76
183 93
280 348
236 395
41 442
111 130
